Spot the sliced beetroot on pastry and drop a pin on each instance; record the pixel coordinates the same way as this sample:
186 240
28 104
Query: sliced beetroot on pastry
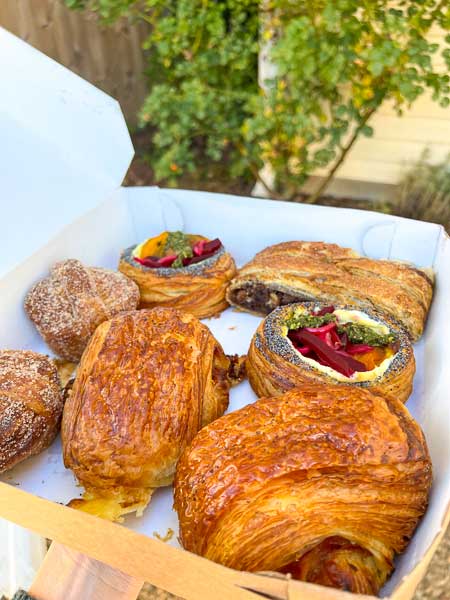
155 262
325 311
346 365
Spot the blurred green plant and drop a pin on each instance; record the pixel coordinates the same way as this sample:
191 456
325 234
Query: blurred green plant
424 192
336 62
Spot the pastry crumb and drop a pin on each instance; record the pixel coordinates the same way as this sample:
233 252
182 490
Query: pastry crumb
232 327
165 538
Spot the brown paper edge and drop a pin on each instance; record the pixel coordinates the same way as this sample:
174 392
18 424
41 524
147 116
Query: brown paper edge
174 570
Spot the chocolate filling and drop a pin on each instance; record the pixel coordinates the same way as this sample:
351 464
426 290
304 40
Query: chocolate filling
262 299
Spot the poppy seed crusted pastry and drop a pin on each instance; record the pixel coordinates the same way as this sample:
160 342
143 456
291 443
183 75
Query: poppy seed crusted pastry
183 271
304 343
316 271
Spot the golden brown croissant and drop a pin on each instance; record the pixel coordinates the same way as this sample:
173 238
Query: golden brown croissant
302 271
31 405
324 482
67 306
183 271
306 343
147 382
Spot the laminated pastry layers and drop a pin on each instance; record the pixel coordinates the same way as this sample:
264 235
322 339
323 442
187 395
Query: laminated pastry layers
197 285
297 345
148 381
327 483
301 271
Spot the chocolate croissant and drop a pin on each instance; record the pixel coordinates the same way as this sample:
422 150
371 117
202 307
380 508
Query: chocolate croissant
67 306
31 405
327 483
307 343
147 382
315 271
183 271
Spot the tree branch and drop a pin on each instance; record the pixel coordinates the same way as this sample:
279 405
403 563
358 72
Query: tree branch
345 150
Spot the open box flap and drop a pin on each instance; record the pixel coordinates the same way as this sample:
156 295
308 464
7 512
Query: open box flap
65 148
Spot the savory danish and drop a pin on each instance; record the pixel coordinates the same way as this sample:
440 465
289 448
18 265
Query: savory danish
306 343
182 271
147 382
327 483
302 271
31 405
67 306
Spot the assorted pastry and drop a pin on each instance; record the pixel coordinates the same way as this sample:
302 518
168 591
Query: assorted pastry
326 482
68 305
31 405
307 342
147 382
315 271
324 477
180 270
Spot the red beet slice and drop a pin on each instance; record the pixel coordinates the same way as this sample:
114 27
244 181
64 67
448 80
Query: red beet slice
358 348
198 248
212 246
155 262
322 328
324 311
346 365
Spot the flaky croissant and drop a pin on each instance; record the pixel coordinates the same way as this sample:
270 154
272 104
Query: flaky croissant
67 306
31 405
278 360
197 285
301 271
147 382
325 482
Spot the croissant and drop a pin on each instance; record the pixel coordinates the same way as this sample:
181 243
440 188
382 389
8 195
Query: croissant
67 306
302 271
183 271
31 405
147 382
307 343
327 483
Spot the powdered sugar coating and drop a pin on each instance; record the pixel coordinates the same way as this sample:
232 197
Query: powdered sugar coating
67 306
31 405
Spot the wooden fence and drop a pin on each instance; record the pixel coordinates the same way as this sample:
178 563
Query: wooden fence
109 57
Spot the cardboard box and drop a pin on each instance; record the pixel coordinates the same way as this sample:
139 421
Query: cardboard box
79 211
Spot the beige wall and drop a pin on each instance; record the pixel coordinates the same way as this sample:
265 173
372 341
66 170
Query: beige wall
109 57
399 141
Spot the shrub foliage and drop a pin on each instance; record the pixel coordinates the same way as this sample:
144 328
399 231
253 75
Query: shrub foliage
336 62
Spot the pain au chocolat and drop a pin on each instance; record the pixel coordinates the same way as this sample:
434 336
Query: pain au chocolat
316 271
147 382
179 270
68 305
327 483
307 343
31 405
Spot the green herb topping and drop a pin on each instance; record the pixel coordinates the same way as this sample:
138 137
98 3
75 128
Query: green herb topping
178 243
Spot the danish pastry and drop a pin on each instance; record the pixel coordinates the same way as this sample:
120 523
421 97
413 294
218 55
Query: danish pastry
31 405
183 271
67 306
315 271
147 382
327 483
306 343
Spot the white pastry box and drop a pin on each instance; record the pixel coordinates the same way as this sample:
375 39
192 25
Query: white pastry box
64 154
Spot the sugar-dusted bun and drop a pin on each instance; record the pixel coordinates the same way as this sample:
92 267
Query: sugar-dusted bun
30 405
67 306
